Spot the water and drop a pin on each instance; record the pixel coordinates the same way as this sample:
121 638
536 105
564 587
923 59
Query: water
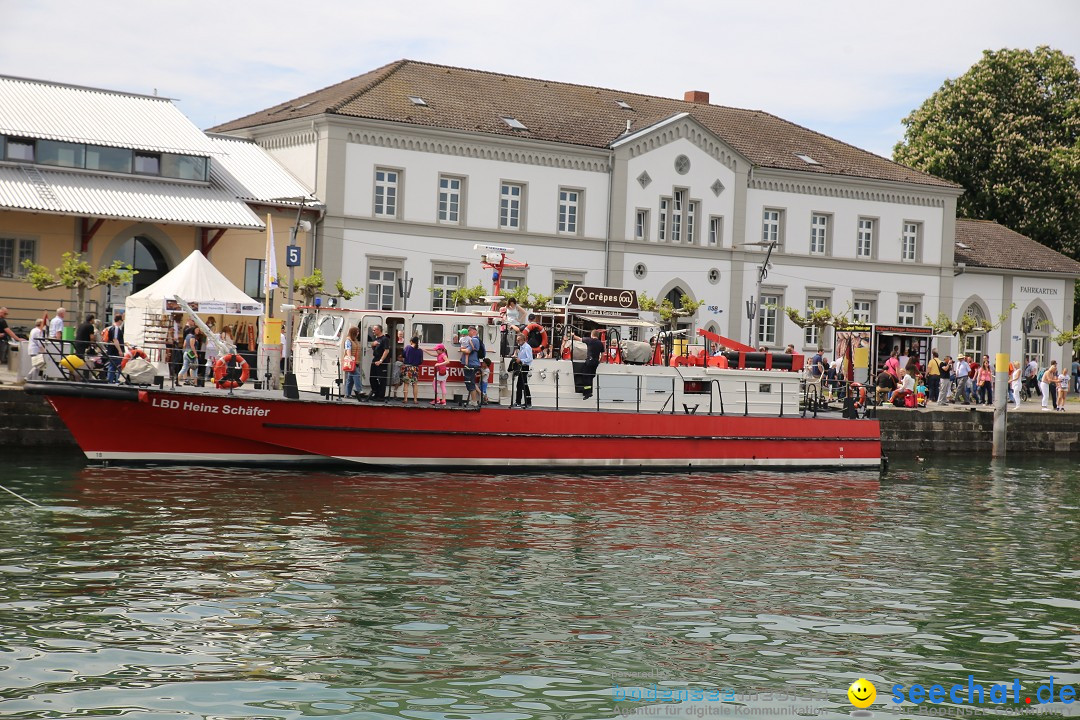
173 593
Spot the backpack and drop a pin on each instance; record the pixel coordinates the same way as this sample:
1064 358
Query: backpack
481 352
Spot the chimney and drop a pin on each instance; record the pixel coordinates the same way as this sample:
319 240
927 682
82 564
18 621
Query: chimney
696 96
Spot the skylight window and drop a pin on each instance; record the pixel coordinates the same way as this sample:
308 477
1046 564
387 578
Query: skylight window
623 104
807 159
417 100
514 123
963 246
301 106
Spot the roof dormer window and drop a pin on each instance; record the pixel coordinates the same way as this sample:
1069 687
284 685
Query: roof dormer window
514 123
19 150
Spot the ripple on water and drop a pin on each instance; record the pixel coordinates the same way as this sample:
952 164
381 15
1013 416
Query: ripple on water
239 594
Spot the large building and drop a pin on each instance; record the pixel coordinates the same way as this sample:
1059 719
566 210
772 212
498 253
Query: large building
117 176
417 162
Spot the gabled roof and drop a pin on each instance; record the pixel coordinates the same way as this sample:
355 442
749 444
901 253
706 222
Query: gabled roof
52 111
249 173
477 101
984 243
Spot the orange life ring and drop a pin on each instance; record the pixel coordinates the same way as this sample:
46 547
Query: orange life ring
860 394
130 354
543 333
225 371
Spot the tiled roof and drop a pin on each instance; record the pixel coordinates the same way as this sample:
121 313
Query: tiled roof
249 173
476 101
983 243
51 111
108 196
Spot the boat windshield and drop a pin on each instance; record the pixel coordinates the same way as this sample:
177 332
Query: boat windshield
307 325
329 327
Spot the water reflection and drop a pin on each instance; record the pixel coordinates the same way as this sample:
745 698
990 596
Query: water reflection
240 593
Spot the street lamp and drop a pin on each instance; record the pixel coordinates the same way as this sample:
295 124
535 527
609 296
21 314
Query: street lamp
753 306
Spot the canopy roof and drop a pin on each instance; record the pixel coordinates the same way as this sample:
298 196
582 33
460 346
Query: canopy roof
197 282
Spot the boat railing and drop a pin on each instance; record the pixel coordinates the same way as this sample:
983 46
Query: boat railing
849 396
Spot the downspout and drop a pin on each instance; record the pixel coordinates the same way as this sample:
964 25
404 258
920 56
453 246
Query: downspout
610 203
314 193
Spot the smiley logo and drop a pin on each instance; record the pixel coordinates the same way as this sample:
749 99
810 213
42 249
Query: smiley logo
862 693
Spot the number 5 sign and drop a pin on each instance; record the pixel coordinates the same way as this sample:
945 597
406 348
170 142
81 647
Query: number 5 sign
292 256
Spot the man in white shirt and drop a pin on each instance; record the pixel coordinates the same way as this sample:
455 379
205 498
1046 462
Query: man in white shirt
37 349
523 396
56 326
963 382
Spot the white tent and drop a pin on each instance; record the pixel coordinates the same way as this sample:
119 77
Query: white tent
198 283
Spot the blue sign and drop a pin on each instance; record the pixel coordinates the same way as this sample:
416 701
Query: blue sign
292 255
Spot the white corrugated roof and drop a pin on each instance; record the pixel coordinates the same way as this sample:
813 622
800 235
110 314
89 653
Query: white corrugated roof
38 109
35 189
250 173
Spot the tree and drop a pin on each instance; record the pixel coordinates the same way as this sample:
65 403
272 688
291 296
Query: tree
1008 131
666 309
312 286
820 319
965 325
76 274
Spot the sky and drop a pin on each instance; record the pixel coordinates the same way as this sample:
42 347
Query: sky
851 69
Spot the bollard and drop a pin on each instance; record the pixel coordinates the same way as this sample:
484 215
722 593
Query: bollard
1001 401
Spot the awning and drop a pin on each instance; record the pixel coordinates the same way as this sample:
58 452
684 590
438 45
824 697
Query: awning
614 320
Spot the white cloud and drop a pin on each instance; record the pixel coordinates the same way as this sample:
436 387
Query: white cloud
855 67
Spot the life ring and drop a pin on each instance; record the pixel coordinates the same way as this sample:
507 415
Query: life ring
860 394
231 371
543 333
130 355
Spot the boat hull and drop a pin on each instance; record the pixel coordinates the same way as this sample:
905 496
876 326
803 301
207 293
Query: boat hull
190 427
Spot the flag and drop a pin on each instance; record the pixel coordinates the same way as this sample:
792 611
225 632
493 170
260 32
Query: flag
270 282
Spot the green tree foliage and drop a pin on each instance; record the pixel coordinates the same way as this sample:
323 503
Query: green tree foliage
1008 131
820 319
965 325
311 286
666 309
76 274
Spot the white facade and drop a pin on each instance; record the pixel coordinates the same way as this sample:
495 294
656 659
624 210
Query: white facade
668 209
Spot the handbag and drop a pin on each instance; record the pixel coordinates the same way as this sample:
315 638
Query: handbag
349 363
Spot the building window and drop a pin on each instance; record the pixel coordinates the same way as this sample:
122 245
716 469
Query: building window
569 204
254 278
665 204
510 283
561 283
864 243
108 159
819 230
812 335
147 164
510 199
767 320
641 225
13 253
449 199
20 150
906 313
678 201
61 154
691 222
442 287
862 311
770 226
716 231
909 244
386 193
381 289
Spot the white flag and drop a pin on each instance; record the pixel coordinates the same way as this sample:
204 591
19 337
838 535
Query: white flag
270 282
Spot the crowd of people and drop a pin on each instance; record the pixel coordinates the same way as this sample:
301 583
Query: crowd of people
965 381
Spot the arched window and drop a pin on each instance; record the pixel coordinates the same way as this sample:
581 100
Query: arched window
681 323
975 343
144 255
1038 337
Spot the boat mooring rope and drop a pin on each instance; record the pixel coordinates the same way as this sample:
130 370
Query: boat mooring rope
19 496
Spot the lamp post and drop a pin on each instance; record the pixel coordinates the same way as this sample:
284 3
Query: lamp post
753 306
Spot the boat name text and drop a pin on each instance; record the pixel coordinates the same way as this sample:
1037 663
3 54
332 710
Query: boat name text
191 406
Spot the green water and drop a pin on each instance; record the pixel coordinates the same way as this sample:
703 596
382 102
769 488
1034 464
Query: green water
191 593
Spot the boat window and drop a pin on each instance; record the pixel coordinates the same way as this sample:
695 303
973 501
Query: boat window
307 325
429 333
329 327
